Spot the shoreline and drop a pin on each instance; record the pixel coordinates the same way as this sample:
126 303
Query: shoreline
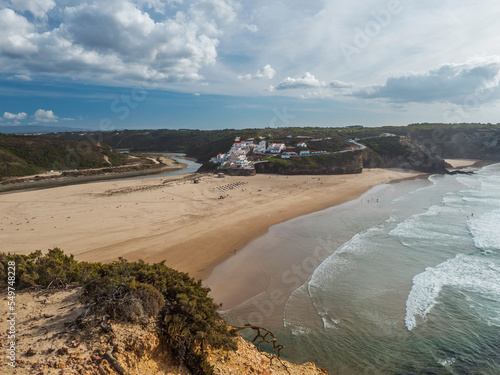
267 272
258 290
171 219
469 163
293 214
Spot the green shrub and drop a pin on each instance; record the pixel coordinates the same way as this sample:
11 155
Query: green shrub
41 270
26 155
187 317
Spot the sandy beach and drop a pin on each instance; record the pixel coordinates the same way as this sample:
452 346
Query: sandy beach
462 163
171 219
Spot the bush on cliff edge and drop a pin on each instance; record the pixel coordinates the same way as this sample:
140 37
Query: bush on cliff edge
186 316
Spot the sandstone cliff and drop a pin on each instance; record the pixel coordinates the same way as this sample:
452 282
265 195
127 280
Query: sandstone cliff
48 342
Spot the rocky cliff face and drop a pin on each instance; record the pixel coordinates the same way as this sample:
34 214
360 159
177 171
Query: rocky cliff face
347 163
467 143
50 342
248 360
381 152
402 152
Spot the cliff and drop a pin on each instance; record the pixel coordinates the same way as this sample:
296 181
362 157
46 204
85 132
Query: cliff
380 152
339 163
120 317
401 152
50 342
459 141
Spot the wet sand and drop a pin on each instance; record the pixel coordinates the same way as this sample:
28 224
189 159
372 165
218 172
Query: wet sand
257 282
171 219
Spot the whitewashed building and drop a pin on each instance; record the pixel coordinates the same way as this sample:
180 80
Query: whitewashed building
260 148
236 157
288 154
276 148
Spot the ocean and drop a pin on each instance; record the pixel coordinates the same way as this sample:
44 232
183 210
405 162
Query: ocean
404 280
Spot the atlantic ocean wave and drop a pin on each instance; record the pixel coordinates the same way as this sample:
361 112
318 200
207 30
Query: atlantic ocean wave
466 273
484 230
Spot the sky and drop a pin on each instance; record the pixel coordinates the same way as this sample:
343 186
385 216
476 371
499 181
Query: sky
216 64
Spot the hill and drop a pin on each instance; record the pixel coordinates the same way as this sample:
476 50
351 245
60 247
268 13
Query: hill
460 141
418 146
401 152
25 155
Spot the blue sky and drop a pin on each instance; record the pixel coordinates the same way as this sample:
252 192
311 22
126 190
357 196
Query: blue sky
210 64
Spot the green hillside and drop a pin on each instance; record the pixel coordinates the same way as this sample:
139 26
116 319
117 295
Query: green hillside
25 155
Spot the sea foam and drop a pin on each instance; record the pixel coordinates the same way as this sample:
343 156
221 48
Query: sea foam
464 272
424 227
485 231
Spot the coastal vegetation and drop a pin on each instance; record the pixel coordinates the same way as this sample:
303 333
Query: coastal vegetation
136 292
469 141
441 139
24 155
336 163
417 146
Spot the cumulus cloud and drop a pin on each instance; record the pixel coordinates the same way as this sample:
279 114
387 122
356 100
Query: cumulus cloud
252 28
157 5
115 40
15 116
222 11
267 72
305 82
42 115
38 8
309 81
15 43
452 83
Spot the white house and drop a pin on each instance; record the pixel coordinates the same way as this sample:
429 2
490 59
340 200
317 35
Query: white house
237 155
221 158
238 159
288 154
261 148
239 145
276 148
301 145
238 151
